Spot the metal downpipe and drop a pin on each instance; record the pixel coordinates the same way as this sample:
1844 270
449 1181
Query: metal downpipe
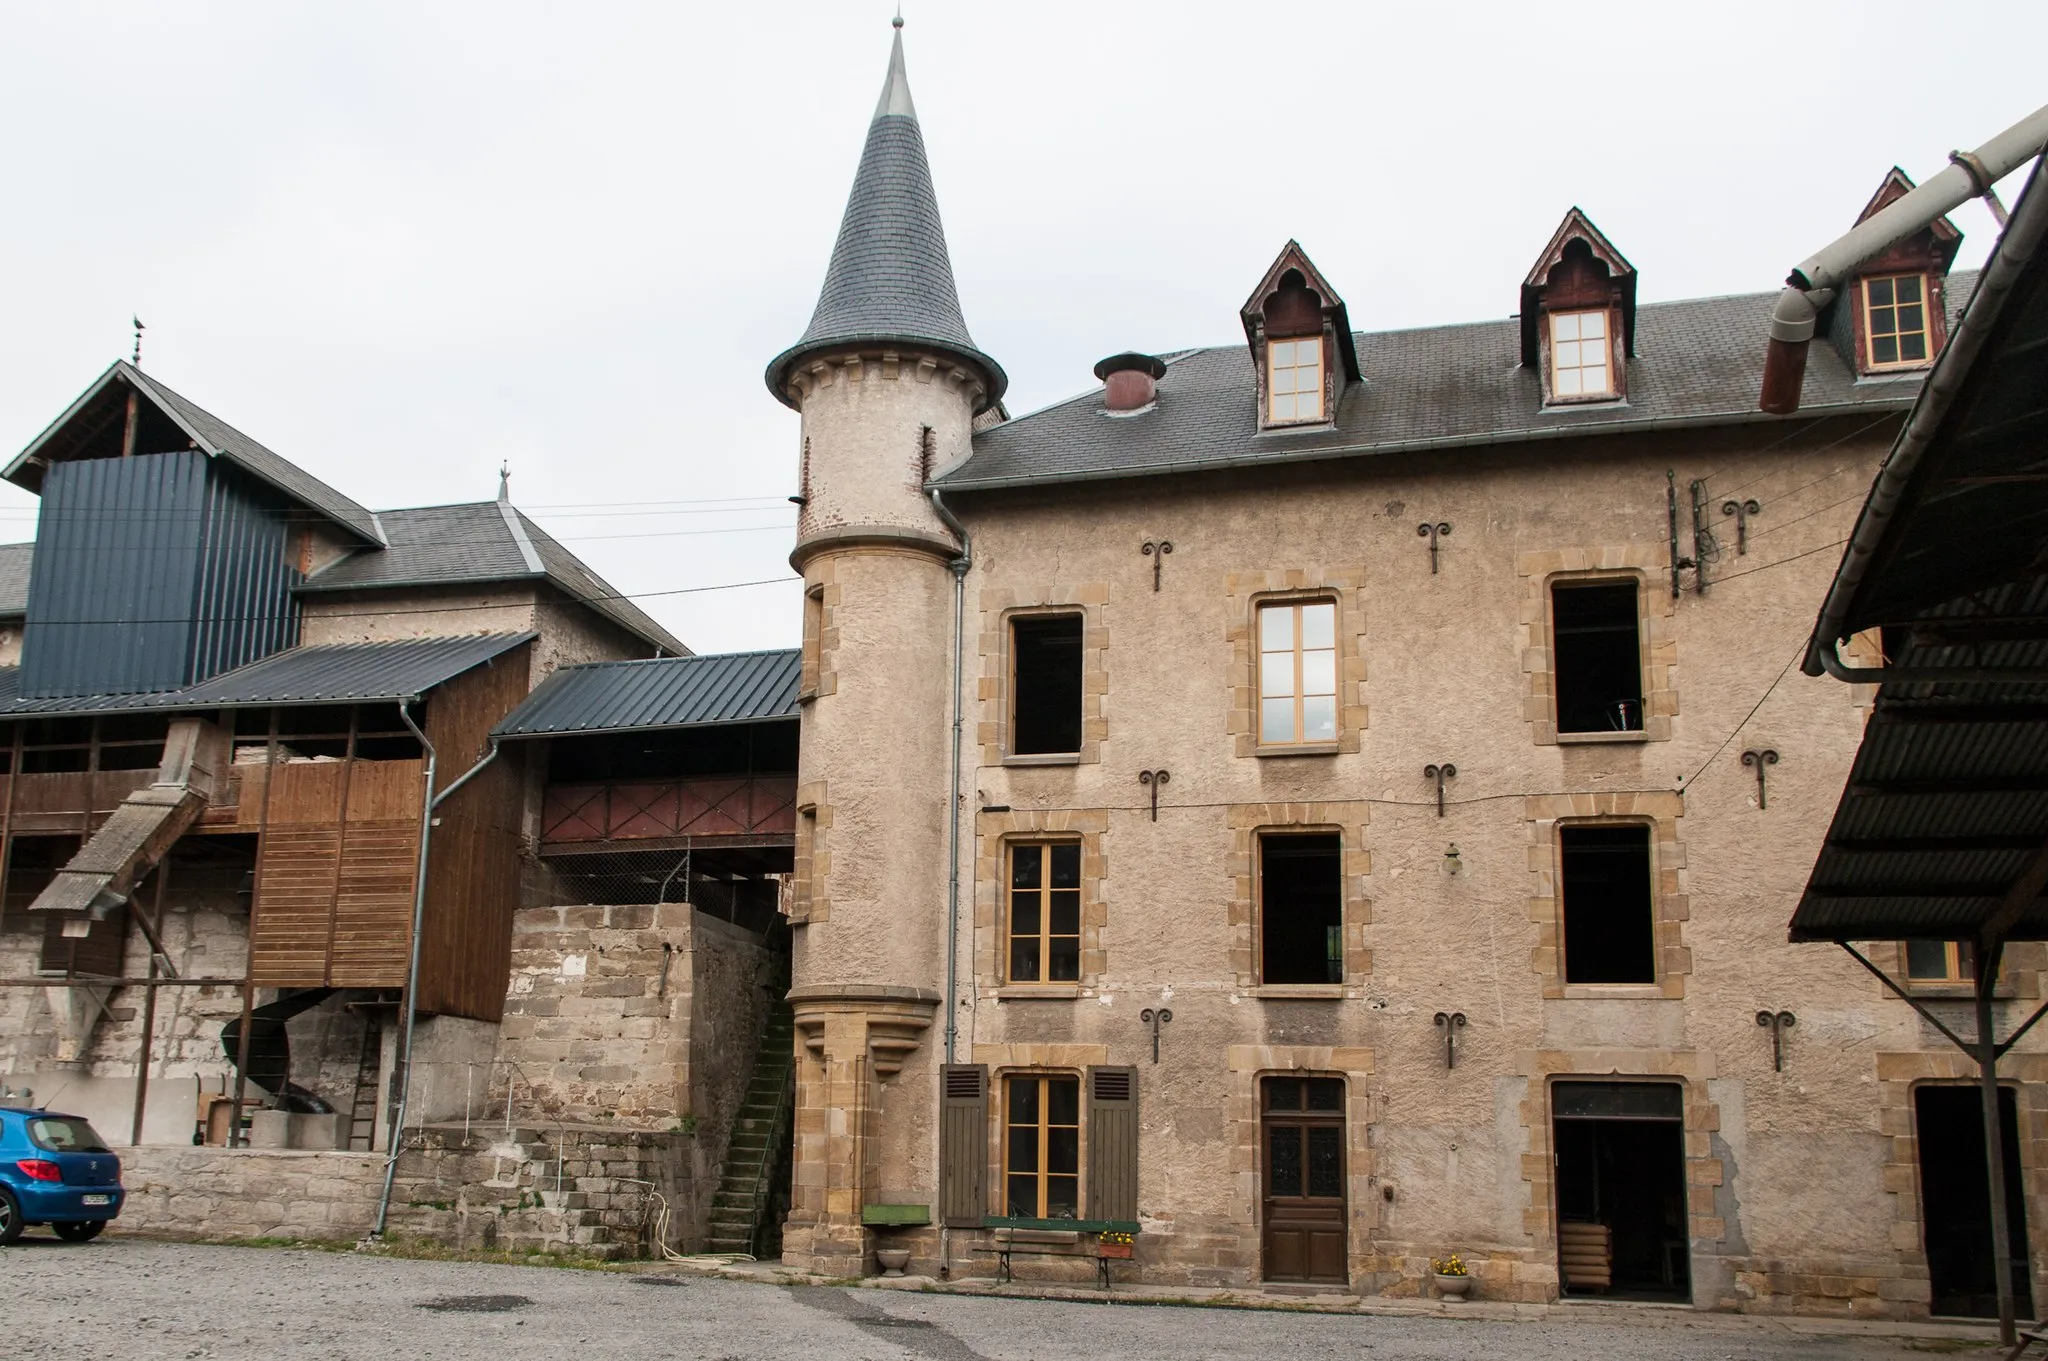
960 566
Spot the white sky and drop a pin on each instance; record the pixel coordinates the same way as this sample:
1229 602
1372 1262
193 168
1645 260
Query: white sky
399 243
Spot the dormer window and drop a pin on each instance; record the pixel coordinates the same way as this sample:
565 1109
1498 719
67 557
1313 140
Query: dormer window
1580 363
1303 353
1895 312
1294 380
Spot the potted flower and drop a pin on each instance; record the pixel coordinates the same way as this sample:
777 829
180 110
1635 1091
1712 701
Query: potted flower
1114 1244
1453 1279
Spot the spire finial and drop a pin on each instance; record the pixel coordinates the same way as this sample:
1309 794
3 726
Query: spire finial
897 22
896 89
504 484
137 360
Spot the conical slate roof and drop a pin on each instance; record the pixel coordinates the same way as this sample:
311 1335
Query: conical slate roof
890 279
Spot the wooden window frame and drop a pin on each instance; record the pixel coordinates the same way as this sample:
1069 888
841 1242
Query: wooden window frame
1612 366
1958 958
1042 846
1010 688
1570 581
1274 368
1299 741
1869 337
1043 1133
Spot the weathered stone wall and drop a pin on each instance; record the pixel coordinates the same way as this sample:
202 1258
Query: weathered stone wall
1801 1184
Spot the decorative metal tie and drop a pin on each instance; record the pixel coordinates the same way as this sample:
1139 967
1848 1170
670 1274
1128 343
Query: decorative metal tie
1155 1019
1433 532
1450 1022
1157 551
1154 780
1742 510
1760 757
1777 1022
1446 771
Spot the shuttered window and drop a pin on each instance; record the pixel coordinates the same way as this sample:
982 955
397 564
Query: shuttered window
1113 1143
1042 1146
963 1145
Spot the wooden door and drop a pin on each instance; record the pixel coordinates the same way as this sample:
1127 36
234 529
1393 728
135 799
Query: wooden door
1301 1159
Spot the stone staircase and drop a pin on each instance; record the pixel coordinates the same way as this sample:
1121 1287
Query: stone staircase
743 1210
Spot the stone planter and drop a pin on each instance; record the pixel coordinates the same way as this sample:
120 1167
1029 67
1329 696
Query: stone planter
892 1260
1453 1287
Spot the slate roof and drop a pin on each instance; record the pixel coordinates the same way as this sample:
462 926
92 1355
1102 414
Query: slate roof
672 692
341 673
479 542
1698 362
220 440
14 564
891 278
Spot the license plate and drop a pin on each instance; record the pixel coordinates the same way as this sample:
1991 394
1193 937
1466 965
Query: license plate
95 1200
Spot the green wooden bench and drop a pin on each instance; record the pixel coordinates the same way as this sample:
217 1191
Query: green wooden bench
1088 1228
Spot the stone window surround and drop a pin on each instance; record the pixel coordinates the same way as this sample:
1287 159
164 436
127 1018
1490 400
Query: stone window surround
993 690
1248 1066
995 833
821 629
1642 562
1020 1060
1346 819
1704 1172
1669 904
1247 591
811 859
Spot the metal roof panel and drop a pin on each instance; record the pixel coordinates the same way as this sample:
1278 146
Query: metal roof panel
669 692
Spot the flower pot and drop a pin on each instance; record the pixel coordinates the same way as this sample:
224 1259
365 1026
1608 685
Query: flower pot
892 1260
1119 1250
1453 1287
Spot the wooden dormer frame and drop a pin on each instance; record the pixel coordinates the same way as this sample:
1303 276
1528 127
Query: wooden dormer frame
1554 285
1928 253
1340 351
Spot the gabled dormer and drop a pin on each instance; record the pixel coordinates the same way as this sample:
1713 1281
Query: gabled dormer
1579 315
1300 336
1890 318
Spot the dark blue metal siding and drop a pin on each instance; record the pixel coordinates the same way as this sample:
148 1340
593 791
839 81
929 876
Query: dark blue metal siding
116 569
245 606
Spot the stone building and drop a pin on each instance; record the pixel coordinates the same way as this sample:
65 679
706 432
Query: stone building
1334 801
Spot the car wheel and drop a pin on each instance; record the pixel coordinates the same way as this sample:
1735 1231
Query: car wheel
10 1217
80 1230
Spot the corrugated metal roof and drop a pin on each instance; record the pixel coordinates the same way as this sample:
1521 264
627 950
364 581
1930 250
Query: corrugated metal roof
342 673
672 692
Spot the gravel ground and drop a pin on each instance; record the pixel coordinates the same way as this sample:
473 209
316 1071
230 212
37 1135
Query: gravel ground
132 1300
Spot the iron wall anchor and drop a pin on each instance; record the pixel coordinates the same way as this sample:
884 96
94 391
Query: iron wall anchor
1155 1019
1433 532
1777 1022
1450 1022
1155 780
1742 510
1440 773
1760 757
1157 551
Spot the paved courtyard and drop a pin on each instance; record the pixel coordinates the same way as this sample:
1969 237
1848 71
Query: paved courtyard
129 1300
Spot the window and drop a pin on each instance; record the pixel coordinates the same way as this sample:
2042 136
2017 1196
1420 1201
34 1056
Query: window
1045 913
1939 961
1301 909
1295 379
1609 935
1298 673
1045 714
1579 355
1596 656
1895 320
1042 1146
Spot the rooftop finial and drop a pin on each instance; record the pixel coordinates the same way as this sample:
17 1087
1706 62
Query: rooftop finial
896 89
137 360
897 22
504 484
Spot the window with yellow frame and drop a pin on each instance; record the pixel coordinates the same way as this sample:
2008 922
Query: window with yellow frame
1297 672
1294 379
1044 917
1939 961
1042 1146
1895 327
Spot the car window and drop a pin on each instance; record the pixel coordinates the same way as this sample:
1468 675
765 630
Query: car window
57 1134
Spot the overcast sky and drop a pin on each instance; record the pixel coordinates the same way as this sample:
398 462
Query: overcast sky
401 243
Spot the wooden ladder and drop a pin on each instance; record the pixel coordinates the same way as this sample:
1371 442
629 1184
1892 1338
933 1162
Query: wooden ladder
362 1115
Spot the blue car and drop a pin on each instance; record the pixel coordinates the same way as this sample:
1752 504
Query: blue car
56 1170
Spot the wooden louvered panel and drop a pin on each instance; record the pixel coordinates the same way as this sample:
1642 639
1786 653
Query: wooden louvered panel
288 944
373 911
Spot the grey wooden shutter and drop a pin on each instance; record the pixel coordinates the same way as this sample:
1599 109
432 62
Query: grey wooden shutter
963 1144
1113 1143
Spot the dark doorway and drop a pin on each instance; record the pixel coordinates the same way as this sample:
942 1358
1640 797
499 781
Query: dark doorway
1609 935
1621 1204
1302 1157
1955 1201
1301 909
1597 657
1045 718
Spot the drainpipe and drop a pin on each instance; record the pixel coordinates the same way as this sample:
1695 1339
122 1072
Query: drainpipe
960 566
1813 285
432 803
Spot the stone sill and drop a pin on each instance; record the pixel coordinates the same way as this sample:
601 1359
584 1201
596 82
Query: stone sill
1571 739
1301 749
1959 992
1038 992
1036 1236
1065 758
1614 992
1316 992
